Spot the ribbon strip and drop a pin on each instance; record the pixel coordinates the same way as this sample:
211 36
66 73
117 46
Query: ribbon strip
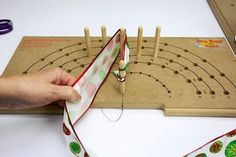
88 84
222 146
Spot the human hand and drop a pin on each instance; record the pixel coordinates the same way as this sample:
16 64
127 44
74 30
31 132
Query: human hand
38 89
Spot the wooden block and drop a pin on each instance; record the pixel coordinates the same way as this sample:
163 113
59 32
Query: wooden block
225 11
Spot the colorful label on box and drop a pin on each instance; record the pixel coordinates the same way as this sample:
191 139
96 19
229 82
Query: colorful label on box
209 43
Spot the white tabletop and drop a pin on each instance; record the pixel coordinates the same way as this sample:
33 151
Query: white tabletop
139 133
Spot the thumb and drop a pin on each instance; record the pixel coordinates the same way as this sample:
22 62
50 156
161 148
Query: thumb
66 93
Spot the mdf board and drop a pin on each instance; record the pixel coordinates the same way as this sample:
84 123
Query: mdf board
189 76
225 13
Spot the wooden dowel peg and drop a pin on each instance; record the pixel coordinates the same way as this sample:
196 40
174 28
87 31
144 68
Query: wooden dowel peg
104 35
157 41
123 75
87 40
122 40
139 40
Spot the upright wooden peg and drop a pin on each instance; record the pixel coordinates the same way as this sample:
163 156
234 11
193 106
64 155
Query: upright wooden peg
122 40
157 41
139 40
122 75
87 40
122 63
104 35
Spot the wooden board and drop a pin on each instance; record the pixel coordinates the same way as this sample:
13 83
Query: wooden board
190 76
225 11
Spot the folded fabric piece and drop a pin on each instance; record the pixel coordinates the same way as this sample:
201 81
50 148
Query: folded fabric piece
223 146
88 84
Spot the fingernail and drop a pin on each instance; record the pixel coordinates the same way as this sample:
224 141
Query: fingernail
77 97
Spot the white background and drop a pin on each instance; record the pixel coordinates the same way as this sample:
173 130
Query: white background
139 133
